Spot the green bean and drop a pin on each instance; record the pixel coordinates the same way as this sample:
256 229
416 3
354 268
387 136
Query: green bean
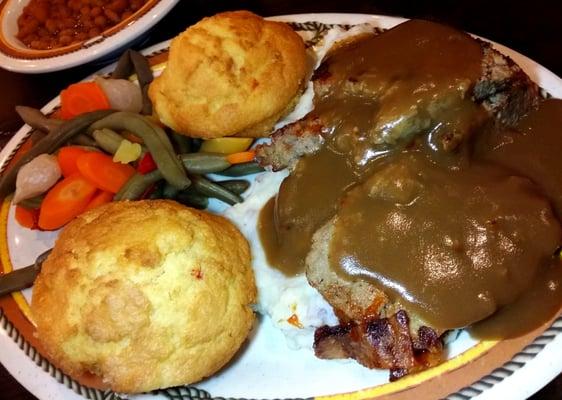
169 191
226 191
37 120
242 169
36 136
110 140
196 144
124 67
204 163
49 144
237 186
212 189
34 202
192 199
107 139
158 190
89 148
132 60
137 185
144 75
155 140
83 140
183 143
142 67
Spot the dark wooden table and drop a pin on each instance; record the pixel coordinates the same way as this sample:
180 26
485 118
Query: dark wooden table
533 28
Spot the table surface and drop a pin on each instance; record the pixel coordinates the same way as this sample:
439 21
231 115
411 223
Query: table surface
533 28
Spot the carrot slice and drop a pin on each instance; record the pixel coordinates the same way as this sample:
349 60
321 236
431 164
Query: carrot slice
241 157
82 97
103 172
65 201
67 157
99 199
27 217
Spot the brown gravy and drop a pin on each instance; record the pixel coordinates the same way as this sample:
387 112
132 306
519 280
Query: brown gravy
366 119
414 78
540 302
306 198
449 235
450 246
534 149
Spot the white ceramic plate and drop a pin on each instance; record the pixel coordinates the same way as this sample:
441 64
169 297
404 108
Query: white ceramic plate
14 56
267 367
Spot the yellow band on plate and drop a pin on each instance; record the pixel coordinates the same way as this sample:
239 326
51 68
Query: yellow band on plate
5 257
416 379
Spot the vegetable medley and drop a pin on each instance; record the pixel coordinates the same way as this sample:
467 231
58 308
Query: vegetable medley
104 145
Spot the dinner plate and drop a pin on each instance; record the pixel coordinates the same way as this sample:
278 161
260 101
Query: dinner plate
16 57
267 367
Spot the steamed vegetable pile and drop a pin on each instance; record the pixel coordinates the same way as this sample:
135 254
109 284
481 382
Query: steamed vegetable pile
103 145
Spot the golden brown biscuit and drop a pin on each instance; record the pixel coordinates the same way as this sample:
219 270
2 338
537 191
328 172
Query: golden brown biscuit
230 73
145 294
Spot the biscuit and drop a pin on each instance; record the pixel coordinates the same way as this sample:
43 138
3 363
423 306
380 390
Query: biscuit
145 295
230 73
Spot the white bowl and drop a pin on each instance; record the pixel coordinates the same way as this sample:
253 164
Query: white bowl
15 56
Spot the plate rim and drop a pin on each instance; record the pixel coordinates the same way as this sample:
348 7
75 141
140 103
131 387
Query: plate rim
553 335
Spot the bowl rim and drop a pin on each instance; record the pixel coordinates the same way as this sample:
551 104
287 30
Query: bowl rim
25 60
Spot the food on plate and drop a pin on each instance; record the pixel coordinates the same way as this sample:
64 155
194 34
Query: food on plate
50 24
226 145
145 295
102 94
48 144
36 177
392 211
132 63
408 204
66 200
540 131
232 73
487 78
106 149
122 94
83 97
151 168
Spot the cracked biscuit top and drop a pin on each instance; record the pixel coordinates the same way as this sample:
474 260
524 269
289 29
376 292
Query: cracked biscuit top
232 73
145 295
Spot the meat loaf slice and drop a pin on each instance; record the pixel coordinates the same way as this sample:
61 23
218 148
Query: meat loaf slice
351 301
291 142
503 89
374 331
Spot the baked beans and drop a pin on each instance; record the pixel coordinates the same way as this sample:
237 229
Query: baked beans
49 24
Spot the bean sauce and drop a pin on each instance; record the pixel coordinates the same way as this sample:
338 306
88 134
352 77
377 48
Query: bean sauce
50 24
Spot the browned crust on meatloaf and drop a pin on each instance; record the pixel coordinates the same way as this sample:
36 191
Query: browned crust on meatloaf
375 331
381 343
503 89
